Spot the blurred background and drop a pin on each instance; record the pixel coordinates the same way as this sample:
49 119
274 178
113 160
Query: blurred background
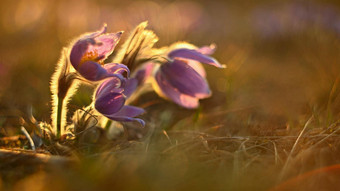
282 57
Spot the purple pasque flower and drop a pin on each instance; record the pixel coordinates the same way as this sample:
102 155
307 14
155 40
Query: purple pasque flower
89 52
182 78
110 100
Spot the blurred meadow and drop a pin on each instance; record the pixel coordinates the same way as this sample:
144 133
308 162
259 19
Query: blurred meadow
272 122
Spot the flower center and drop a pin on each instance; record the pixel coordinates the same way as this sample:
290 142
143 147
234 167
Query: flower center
91 56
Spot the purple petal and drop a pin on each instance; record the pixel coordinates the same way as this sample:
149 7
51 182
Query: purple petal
95 72
105 44
207 50
130 86
93 47
129 111
91 70
109 85
185 79
127 114
109 103
172 93
77 52
114 68
114 85
97 33
194 55
126 119
80 48
197 67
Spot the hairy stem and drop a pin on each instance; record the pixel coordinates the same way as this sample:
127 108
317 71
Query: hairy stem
59 113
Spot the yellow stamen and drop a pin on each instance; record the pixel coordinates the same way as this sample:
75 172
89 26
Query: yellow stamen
90 56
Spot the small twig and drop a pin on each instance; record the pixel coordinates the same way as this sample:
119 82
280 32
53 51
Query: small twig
243 147
322 140
283 171
276 153
260 146
167 136
21 156
205 143
30 140
251 161
219 113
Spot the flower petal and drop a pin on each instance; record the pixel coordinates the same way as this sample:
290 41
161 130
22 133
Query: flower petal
109 103
165 89
109 85
129 111
181 76
79 49
93 71
207 50
105 44
194 55
115 68
97 33
126 119
90 70
130 86
93 47
197 66
77 52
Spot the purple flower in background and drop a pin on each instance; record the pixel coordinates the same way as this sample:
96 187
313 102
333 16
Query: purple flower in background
110 100
182 78
89 52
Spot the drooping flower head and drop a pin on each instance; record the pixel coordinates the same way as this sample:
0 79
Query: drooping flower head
89 52
110 100
182 78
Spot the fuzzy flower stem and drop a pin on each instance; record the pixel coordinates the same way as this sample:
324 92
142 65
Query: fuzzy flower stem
63 86
59 113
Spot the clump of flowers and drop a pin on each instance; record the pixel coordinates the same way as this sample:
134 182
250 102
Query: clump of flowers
175 73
